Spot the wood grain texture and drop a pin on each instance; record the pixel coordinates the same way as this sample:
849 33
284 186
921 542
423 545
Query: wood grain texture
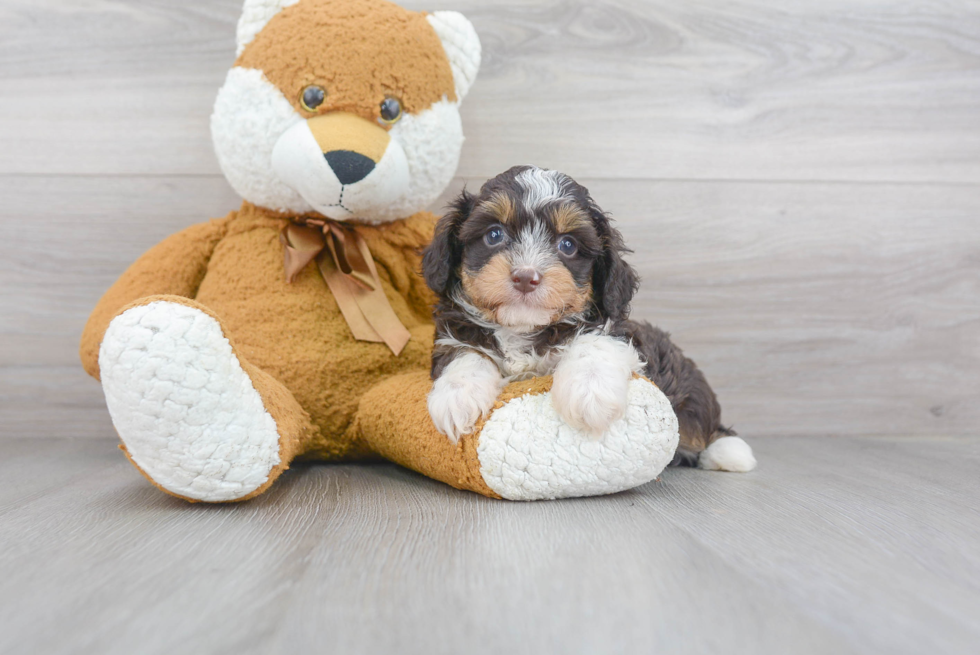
709 130
831 546
814 308
801 185
836 90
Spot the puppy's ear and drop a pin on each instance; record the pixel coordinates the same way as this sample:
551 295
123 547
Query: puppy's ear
613 280
444 255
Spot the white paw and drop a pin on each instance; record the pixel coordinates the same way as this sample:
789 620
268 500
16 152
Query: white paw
180 401
527 452
464 392
727 454
592 380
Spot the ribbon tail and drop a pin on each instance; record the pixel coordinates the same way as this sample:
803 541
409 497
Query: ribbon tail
378 312
345 292
376 306
367 311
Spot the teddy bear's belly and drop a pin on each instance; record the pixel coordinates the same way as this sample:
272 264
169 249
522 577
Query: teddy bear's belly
296 333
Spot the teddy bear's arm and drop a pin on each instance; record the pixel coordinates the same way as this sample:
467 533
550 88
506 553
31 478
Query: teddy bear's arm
175 266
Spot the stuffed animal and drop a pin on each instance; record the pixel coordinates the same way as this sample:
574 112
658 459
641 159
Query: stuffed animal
299 326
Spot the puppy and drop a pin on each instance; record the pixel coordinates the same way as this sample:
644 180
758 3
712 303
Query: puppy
531 281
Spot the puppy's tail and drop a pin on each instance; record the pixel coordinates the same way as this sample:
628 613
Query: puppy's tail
704 441
685 456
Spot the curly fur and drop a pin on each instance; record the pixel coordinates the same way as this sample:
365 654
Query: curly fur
574 344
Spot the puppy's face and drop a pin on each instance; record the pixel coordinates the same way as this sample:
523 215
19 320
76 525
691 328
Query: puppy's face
529 250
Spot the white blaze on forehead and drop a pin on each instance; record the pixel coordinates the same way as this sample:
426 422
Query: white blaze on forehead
542 187
532 248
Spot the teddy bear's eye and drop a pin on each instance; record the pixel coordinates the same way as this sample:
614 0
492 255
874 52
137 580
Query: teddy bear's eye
391 110
313 96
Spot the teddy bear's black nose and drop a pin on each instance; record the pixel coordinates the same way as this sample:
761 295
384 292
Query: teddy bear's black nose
349 166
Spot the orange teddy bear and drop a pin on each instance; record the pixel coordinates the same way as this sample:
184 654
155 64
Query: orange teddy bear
299 326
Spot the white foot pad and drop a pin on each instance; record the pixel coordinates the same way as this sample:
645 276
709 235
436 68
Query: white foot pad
727 454
187 412
528 453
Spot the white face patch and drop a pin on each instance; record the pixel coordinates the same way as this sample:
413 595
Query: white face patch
250 114
542 187
432 141
300 164
520 315
271 159
533 248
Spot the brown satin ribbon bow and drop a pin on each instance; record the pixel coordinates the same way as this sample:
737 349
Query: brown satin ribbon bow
348 268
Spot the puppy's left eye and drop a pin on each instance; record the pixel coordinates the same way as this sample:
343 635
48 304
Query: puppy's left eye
494 236
567 246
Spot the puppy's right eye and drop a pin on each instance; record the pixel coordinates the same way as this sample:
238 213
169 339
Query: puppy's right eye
494 236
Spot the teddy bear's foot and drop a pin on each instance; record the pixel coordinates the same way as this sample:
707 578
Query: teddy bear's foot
527 452
188 413
523 450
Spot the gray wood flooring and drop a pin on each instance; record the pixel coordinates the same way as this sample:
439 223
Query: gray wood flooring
800 182
834 545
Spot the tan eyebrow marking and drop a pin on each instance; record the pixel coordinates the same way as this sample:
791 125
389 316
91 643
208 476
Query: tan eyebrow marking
568 217
500 205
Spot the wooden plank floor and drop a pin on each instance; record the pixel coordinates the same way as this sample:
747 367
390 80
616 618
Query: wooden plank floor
834 545
801 184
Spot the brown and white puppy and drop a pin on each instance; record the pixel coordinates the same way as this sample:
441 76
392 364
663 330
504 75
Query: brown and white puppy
531 281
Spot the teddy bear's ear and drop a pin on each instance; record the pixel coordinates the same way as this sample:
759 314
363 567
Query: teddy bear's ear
256 14
462 46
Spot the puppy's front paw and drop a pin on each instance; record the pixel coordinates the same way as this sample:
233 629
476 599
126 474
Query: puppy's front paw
465 392
590 400
592 381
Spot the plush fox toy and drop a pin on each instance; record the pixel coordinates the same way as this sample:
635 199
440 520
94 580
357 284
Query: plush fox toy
299 326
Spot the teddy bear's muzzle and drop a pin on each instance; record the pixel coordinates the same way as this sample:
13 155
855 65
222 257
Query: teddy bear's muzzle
342 165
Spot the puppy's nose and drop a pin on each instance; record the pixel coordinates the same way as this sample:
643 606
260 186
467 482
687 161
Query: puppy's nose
349 166
525 280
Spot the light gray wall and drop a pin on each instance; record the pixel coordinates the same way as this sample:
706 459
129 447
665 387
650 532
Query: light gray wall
800 182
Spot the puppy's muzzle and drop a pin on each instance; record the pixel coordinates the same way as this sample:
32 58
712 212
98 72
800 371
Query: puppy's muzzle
525 280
